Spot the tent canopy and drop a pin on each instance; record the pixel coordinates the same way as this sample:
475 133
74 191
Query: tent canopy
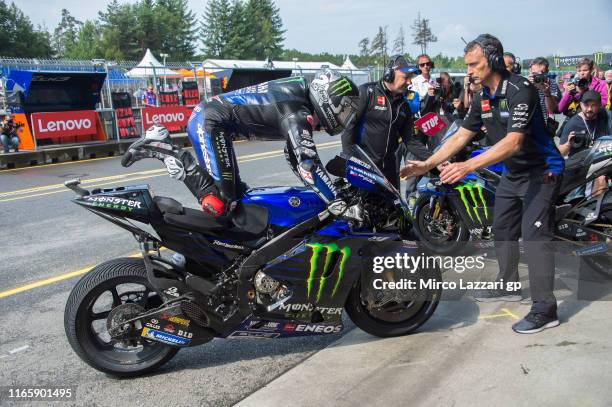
348 64
149 66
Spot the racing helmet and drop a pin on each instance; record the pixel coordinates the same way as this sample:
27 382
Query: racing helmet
335 99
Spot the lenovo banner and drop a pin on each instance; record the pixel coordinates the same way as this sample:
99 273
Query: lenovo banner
172 117
63 124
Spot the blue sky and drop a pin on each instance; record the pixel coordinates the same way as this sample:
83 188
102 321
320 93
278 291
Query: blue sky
527 28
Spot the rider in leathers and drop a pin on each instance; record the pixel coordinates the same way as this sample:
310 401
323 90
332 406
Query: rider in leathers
286 108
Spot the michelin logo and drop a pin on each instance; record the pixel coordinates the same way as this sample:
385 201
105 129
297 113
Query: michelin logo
164 337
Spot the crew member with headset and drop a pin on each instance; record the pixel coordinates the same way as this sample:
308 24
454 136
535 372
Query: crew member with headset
384 118
509 108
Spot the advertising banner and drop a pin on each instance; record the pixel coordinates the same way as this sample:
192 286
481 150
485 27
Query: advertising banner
172 117
64 124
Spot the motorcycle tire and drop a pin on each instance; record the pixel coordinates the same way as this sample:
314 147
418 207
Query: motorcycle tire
359 313
438 246
79 318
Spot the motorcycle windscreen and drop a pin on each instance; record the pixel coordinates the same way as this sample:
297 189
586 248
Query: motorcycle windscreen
364 174
452 129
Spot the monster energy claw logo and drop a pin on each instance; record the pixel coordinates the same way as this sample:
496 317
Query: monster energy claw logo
341 87
598 57
473 189
331 248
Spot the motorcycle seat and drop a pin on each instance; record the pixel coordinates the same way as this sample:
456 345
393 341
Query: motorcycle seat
246 223
168 205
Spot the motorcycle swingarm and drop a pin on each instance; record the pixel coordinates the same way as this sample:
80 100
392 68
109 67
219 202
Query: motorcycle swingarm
169 324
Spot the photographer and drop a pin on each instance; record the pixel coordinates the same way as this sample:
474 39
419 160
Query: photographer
582 130
9 134
582 81
585 127
547 90
462 102
443 95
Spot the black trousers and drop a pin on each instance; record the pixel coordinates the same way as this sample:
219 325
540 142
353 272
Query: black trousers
524 206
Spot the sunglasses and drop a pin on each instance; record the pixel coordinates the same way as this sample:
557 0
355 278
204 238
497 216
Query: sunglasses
425 64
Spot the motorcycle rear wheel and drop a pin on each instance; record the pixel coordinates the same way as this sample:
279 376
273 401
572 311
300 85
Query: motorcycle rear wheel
120 281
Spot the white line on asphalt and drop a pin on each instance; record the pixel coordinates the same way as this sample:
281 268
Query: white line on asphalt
18 350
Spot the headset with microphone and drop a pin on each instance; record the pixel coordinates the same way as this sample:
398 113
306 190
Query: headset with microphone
389 73
493 50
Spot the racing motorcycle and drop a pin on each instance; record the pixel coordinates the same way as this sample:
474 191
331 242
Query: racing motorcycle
283 264
446 217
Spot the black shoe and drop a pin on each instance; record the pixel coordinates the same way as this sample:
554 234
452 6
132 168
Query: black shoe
497 295
533 323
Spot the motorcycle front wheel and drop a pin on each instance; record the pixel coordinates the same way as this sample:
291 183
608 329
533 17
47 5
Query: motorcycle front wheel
400 316
446 235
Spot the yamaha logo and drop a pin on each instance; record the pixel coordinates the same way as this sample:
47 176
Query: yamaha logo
294 201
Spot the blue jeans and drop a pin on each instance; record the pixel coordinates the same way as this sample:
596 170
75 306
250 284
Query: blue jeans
8 142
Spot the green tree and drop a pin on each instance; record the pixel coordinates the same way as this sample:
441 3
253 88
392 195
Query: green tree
265 29
379 45
238 42
177 27
400 41
216 28
88 42
65 34
422 33
148 31
18 38
119 26
364 47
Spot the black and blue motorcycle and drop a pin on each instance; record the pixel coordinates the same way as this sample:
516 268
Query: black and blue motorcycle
282 265
446 216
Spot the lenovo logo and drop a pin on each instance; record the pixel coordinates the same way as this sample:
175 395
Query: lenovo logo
162 118
63 125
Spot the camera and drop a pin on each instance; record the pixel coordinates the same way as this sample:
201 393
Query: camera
580 139
439 90
581 83
540 78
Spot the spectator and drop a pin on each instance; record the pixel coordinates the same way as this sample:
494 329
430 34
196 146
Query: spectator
149 98
445 95
463 101
9 134
598 73
423 83
608 77
510 62
584 81
591 123
547 91
138 94
592 120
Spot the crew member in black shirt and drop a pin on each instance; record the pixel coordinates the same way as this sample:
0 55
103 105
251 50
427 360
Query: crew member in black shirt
508 106
384 118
